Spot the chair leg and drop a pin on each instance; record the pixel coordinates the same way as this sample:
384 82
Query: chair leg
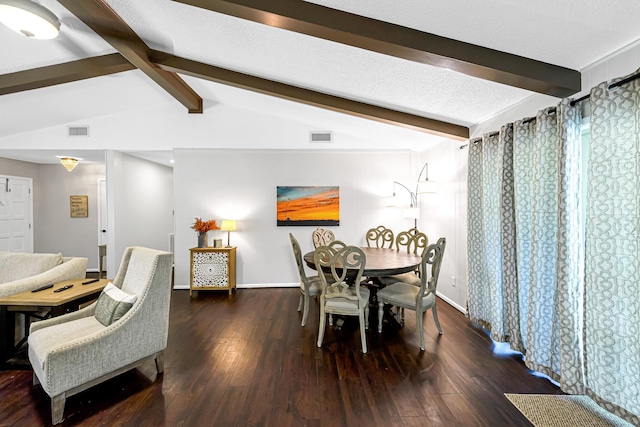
57 408
306 309
380 314
419 324
160 361
435 319
300 302
366 315
323 320
363 334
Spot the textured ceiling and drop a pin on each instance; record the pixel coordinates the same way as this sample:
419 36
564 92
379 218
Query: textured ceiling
571 34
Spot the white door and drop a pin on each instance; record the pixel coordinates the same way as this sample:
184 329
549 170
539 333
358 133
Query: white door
102 212
16 214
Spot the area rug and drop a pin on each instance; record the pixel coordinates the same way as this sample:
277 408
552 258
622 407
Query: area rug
549 410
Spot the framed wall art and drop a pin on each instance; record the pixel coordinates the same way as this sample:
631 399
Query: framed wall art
79 206
314 206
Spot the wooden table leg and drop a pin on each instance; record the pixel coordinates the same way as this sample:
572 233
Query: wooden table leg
7 335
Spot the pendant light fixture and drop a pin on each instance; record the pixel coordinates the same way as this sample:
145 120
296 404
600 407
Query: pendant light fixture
29 19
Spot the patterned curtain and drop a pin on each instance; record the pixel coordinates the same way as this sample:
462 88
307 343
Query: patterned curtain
486 294
525 240
612 270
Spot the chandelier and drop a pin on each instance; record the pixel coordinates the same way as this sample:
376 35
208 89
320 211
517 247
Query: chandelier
69 163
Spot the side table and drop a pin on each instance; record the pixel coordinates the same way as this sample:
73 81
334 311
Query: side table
213 269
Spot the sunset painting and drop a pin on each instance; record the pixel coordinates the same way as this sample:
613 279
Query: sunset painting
308 205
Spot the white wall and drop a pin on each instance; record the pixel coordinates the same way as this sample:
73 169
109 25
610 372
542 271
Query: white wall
140 206
54 229
18 168
241 185
444 215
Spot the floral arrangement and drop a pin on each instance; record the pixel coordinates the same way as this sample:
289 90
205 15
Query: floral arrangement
203 226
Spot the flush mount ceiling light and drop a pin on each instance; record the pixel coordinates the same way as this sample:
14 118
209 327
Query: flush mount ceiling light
69 163
29 19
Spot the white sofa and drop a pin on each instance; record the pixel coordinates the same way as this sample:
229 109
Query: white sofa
20 272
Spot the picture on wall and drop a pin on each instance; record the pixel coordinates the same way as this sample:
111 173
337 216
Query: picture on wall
308 205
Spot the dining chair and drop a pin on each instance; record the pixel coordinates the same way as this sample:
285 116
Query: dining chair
379 237
310 286
414 242
322 237
419 299
341 290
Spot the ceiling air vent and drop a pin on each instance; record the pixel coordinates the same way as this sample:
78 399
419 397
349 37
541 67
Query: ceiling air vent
320 137
78 130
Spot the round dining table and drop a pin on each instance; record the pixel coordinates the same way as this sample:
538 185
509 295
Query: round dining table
381 262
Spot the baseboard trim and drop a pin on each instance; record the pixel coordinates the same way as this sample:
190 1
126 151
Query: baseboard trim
452 303
295 285
253 285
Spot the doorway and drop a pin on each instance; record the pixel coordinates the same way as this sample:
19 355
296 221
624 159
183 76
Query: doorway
16 214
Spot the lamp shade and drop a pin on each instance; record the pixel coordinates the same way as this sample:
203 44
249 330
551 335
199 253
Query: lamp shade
393 201
228 225
427 187
413 213
29 19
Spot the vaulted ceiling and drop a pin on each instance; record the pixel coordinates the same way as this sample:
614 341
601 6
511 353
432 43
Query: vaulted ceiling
433 67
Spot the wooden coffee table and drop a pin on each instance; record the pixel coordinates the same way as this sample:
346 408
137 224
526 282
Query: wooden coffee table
48 302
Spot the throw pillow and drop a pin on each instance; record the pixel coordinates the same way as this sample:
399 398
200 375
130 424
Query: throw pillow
113 303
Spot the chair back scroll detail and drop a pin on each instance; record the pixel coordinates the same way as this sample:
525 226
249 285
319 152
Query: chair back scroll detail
413 241
338 260
433 258
380 237
322 237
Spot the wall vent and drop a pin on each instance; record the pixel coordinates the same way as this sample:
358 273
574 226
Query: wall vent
78 130
320 137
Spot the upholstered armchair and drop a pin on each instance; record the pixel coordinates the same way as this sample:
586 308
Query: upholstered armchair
73 352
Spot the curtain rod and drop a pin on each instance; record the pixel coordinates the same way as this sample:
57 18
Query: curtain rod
611 86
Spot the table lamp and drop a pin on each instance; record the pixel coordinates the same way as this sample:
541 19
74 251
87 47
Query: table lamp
228 225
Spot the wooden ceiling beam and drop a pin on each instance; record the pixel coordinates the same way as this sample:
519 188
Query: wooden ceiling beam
105 22
402 42
63 73
212 73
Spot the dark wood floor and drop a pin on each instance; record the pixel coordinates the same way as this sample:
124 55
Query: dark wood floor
246 361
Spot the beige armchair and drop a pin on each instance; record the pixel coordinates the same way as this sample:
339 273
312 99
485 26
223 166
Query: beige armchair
76 351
